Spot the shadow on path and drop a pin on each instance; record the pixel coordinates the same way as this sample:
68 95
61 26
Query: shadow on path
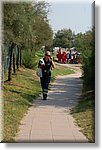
64 93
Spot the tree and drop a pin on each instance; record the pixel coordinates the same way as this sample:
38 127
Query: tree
11 62
26 26
86 44
64 38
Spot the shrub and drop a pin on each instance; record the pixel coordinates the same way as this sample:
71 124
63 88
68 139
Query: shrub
28 59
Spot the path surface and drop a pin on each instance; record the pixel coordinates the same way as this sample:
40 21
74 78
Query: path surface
50 120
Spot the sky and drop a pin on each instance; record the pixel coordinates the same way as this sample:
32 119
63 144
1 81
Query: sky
77 16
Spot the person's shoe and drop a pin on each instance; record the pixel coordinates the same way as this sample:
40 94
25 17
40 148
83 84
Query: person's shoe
44 96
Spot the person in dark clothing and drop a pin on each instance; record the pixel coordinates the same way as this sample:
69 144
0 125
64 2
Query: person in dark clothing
46 67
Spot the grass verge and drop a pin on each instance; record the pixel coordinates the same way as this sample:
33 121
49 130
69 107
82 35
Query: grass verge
60 70
84 115
18 96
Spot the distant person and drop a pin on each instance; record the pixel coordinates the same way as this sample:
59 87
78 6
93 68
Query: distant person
64 57
70 55
53 50
59 55
46 67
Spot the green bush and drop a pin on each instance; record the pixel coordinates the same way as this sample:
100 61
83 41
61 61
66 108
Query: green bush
89 68
28 59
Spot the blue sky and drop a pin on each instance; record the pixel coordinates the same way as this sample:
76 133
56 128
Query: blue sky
76 16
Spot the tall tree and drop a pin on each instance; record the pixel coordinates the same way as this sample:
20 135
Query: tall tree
64 38
26 25
11 62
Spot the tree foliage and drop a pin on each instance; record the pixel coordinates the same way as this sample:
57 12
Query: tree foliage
26 26
86 43
64 38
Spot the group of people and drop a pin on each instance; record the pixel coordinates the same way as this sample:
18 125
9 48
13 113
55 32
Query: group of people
62 57
68 57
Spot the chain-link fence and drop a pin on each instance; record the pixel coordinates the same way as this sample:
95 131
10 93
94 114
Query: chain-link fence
6 56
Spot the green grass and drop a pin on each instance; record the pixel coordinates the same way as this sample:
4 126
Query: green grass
84 114
60 70
18 96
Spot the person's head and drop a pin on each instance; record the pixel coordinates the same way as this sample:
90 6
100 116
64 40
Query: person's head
47 55
60 49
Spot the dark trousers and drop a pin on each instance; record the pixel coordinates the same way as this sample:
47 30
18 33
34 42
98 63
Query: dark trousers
45 84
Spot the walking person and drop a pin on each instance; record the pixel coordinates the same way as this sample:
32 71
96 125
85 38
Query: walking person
46 67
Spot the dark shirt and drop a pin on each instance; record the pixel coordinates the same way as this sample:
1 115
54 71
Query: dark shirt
46 69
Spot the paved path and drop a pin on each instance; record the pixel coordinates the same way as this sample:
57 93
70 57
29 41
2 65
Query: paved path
50 120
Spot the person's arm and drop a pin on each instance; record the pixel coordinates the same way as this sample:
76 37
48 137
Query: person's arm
53 64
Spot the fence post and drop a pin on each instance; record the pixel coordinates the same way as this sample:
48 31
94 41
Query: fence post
18 58
2 66
14 62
